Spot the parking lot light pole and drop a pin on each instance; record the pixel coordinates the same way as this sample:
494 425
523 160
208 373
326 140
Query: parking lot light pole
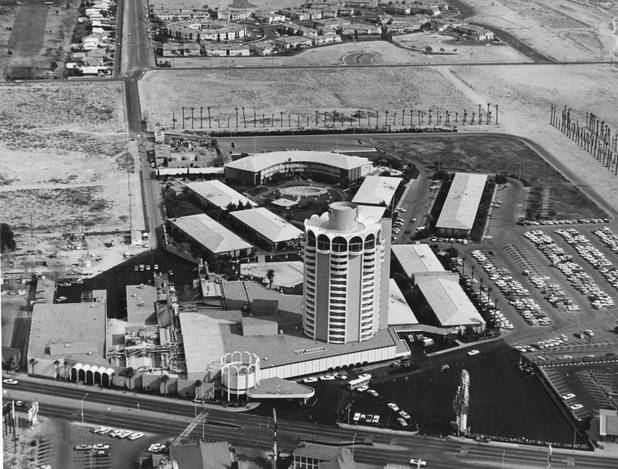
82 406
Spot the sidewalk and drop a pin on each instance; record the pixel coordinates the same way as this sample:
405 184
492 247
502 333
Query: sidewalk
147 397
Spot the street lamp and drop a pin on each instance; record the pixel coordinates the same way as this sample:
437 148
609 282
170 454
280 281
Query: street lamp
82 406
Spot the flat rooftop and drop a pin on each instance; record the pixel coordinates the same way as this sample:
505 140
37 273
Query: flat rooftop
277 388
449 302
140 304
371 211
462 202
287 274
202 336
218 194
245 292
269 225
416 259
262 161
377 190
399 311
68 330
210 233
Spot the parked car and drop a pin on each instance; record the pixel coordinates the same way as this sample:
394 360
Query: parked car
10 381
418 462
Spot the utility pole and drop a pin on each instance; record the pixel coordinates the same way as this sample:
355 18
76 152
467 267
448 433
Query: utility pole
275 436
209 123
244 118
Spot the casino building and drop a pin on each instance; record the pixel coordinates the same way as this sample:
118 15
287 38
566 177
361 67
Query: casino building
346 287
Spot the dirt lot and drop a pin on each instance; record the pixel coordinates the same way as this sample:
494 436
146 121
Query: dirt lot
35 34
295 91
572 30
407 49
64 160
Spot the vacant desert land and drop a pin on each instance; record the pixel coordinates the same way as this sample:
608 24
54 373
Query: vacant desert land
569 30
409 51
296 91
64 160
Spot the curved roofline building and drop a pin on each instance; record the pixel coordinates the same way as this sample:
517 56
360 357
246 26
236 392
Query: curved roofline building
256 169
346 274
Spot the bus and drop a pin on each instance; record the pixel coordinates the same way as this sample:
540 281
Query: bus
356 383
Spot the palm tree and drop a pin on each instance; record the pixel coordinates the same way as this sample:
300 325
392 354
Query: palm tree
164 380
270 275
33 361
198 389
56 364
130 372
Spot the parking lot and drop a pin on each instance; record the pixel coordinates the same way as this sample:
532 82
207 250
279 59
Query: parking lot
584 388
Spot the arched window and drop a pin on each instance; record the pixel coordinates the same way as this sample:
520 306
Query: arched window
370 241
311 239
323 242
340 244
356 244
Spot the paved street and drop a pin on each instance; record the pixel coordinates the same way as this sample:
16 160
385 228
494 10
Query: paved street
241 429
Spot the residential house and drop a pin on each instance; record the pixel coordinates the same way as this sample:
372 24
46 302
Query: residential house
293 42
226 50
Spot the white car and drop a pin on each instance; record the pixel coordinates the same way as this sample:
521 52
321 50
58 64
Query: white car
10 381
311 379
473 352
418 462
135 436
568 396
394 407
575 406
327 377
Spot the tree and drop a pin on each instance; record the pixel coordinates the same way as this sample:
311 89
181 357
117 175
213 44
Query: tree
164 380
53 65
198 389
270 275
33 361
7 238
130 372
56 364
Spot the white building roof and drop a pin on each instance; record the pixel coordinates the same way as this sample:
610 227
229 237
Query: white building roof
416 258
219 194
399 311
448 301
462 201
371 211
377 189
210 233
202 338
262 161
266 223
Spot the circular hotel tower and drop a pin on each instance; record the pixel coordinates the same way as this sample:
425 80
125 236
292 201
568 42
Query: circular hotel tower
344 284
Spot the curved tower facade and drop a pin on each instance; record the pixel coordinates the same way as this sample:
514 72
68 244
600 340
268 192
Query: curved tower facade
345 276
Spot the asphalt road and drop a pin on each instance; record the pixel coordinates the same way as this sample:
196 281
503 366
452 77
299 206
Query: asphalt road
137 54
243 429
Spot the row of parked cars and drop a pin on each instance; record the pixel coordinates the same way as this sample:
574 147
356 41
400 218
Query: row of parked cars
554 295
514 290
608 237
568 221
581 280
591 254
118 433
